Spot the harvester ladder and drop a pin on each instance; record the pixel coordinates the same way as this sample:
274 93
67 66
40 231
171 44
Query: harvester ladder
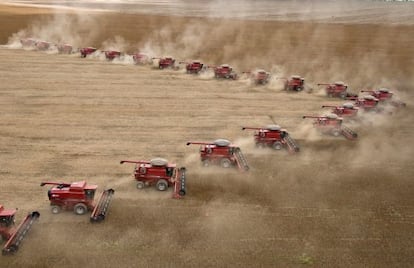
12 245
101 208
241 160
348 133
292 146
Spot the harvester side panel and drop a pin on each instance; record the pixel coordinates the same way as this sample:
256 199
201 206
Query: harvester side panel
348 133
291 144
180 184
12 245
241 160
101 208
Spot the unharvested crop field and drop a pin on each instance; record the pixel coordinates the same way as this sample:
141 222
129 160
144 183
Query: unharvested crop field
337 203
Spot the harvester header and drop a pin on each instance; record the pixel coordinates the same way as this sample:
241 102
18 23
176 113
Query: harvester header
14 236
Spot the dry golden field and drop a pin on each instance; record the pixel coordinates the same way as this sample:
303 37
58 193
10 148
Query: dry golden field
337 203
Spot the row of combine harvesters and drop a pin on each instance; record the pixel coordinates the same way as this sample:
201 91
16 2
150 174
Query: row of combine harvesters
159 172
294 83
223 71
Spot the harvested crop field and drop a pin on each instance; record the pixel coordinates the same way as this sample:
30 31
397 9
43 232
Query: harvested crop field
337 203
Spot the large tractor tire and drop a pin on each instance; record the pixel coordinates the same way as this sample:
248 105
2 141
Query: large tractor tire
80 209
277 145
55 209
226 163
162 185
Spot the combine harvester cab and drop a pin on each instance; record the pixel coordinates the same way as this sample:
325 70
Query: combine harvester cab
295 83
332 124
79 197
223 153
160 173
275 137
347 110
14 236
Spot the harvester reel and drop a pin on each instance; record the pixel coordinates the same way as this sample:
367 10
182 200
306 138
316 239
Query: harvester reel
162 185
80 209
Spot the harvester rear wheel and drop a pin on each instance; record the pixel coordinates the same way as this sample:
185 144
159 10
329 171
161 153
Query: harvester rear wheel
140 185
162 185
55 209
80 209
277 145
205 163
225 163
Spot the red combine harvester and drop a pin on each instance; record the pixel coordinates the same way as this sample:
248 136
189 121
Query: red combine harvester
295 83
14 236
221 152
79 197
160 173
112 54
332 124
346 110
64 48
337 89
42 45
274 136
166 62
259 77
141 58
368 103
386 96
28 42
87 51
193 67
224 71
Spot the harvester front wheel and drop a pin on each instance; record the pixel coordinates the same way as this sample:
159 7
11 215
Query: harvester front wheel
140 185
162 185
277 145
336 132
55 209
80 209
225 163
